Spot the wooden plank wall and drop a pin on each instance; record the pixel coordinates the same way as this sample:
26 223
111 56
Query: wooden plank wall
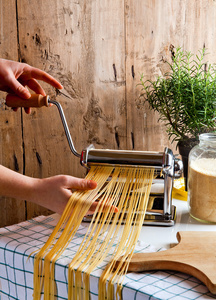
97 50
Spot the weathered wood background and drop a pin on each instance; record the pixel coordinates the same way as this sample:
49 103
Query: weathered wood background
97 49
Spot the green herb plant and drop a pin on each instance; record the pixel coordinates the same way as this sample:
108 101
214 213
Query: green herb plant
185 97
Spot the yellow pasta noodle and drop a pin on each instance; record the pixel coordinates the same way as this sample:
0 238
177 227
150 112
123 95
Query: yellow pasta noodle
128 188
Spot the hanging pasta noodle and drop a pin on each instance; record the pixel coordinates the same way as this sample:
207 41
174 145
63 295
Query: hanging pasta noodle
127 188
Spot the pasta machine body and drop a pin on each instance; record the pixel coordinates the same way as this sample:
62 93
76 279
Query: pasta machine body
160 211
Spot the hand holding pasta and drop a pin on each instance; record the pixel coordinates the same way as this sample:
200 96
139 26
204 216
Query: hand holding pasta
52 193
124 188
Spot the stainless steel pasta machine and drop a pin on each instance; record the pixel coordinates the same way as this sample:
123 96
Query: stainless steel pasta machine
160 210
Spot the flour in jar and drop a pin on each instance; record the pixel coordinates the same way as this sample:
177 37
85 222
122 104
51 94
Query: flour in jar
202 189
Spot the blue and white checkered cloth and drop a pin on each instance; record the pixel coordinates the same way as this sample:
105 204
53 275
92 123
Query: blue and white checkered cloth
17 242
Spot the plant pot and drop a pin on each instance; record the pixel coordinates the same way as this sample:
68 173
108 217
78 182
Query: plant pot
184 150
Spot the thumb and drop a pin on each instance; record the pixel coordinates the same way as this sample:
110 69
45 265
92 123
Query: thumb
18 88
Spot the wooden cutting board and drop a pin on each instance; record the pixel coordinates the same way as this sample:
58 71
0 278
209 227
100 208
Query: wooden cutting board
195 254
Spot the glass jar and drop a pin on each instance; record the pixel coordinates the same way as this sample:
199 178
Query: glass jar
202 179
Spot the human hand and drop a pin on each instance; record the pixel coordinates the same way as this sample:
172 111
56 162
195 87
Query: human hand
54 192
15 76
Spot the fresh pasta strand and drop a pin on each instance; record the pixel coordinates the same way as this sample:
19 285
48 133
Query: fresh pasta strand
96 251
96 247
128 188
71 218
131 230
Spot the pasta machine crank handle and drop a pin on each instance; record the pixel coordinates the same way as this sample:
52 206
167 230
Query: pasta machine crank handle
37 100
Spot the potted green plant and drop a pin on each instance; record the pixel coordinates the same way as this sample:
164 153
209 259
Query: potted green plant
185 98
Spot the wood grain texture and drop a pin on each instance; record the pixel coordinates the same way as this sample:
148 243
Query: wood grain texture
194 255
79 44
97 50
153 30
11 151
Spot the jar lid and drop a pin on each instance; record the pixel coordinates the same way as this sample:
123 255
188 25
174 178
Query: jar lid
210 136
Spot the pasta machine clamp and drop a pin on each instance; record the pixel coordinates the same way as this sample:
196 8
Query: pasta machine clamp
160 210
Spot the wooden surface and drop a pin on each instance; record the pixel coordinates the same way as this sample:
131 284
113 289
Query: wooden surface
194 255
97 50
11 147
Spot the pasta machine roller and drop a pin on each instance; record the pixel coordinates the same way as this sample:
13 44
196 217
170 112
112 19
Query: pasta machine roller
160 210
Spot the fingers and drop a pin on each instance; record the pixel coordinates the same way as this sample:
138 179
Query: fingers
16 75
35 86
17 87
41 75
28 110
83 184
106 207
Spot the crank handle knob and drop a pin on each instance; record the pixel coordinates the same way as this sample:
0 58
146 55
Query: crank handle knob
36 100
